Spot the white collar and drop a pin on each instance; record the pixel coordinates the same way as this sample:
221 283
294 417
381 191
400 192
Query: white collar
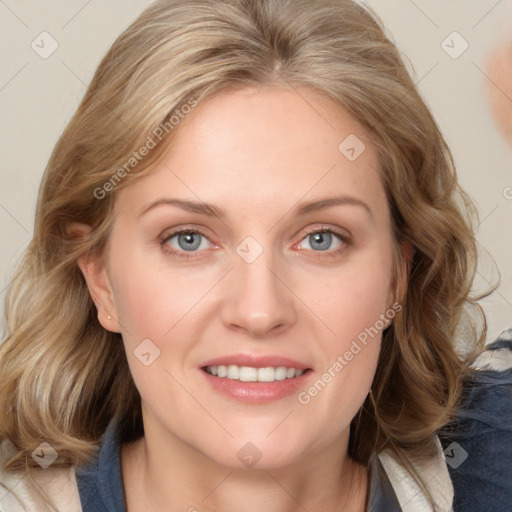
434 473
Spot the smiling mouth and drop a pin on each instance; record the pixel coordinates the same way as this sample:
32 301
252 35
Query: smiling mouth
253 374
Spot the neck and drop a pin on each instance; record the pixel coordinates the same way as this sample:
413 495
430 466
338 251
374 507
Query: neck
170 475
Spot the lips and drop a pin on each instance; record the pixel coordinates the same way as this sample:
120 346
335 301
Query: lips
256 361
255 379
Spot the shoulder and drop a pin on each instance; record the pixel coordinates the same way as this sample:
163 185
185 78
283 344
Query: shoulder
471 471
498 355
17 492
433 473
478 443
487 396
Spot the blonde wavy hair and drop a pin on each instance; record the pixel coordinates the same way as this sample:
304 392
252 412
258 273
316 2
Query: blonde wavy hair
63 377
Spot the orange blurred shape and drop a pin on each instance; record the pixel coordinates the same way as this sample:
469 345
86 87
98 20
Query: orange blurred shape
499 91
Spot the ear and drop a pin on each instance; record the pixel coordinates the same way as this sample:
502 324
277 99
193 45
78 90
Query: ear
95 273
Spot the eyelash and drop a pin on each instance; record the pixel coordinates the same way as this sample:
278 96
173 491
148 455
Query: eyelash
345 239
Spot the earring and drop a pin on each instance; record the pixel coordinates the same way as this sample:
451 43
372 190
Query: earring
109 317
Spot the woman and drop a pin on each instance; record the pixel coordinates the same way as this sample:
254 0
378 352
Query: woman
177 340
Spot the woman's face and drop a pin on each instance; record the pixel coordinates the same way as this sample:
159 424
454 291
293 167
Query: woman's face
261 286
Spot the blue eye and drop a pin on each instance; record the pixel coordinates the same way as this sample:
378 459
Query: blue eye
321 240
188 242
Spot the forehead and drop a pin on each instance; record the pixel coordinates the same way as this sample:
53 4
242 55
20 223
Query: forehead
257 147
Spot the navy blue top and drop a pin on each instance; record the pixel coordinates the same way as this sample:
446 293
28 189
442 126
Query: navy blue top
478 451
483 429
100 484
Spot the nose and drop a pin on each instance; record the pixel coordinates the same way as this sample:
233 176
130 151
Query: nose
258 301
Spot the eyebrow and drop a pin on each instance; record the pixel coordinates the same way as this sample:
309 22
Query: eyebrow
212 211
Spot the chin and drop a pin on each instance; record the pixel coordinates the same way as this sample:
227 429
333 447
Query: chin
260 451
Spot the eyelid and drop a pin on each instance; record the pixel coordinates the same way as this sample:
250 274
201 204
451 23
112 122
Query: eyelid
344 235
171 233
168 234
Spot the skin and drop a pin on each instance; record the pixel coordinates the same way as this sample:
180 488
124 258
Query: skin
254 153
498 89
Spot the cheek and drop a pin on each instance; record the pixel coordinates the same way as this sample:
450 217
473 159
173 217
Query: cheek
354 297
358 306
143 300
150 295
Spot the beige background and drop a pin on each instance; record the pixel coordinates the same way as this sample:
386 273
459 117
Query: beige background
38 96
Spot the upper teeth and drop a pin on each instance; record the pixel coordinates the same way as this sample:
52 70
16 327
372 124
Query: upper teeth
250 374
